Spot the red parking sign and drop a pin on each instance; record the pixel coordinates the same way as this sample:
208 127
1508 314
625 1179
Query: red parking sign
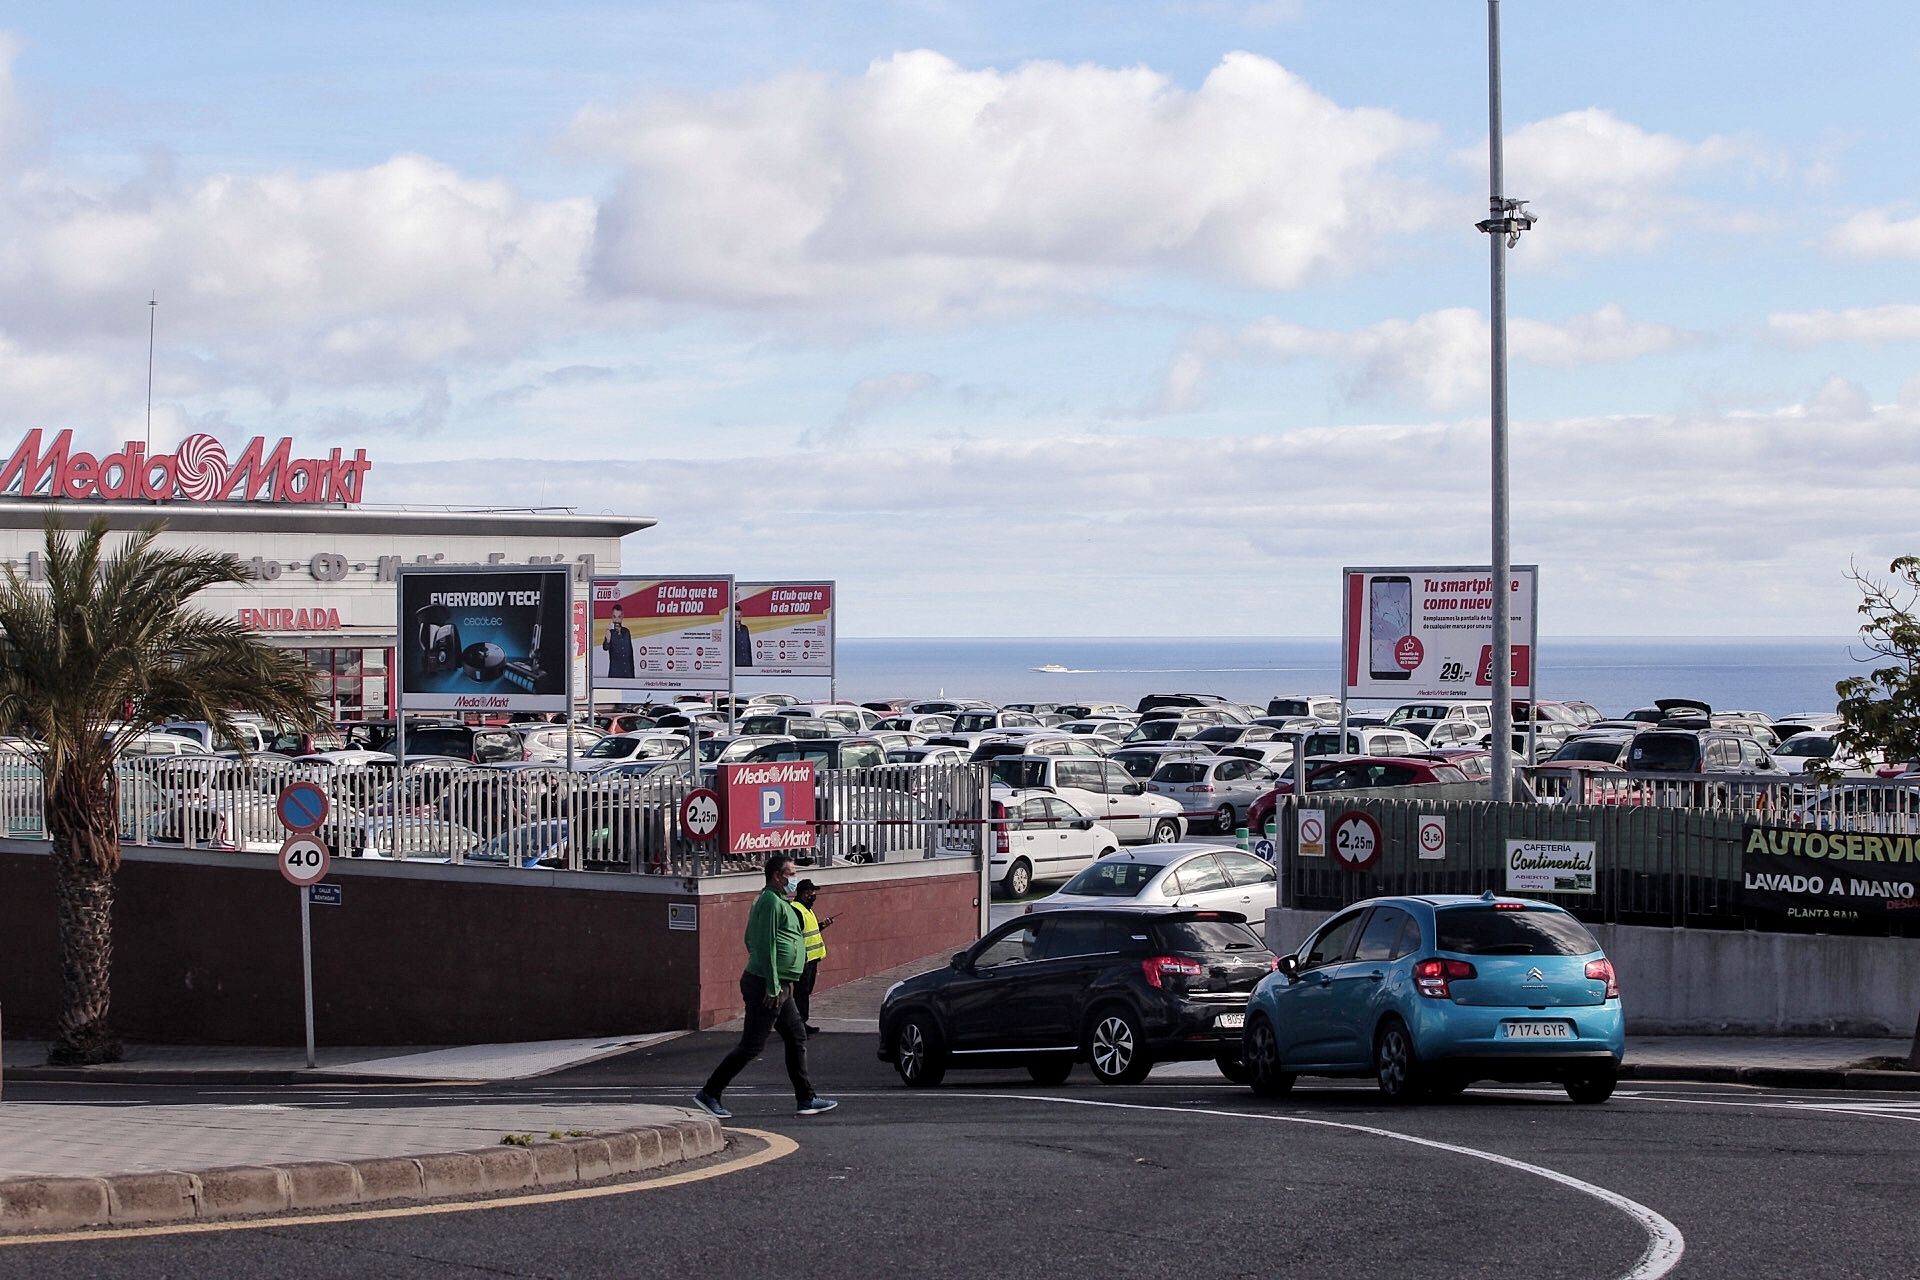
769 807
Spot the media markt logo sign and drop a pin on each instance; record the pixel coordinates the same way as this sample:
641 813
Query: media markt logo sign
198 471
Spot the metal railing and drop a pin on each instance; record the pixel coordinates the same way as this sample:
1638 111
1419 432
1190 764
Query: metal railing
518 816
1669 851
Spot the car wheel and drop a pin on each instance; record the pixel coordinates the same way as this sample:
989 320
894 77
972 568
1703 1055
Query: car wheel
1223 818
1018 880
1261 1056
1589 1089
1050 1071
1233 1067
918 1054
1116 1046
1166 831
1394 1063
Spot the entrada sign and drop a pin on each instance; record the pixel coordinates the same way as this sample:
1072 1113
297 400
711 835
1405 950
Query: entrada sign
198 471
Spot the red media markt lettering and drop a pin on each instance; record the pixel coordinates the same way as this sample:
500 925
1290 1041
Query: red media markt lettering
198 471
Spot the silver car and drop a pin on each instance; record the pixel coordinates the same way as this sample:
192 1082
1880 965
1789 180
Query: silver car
1218 790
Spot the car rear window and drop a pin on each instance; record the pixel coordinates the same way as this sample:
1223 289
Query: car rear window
1112 879
1205 935
1669 752
1186 771
1491 931
440 742
1591 749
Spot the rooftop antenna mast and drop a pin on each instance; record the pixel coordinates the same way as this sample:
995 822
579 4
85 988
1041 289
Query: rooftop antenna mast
153 305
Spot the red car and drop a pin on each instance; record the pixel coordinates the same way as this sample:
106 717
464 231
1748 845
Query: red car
1359 773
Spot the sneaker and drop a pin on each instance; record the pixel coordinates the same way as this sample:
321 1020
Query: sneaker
816 1106
712 1107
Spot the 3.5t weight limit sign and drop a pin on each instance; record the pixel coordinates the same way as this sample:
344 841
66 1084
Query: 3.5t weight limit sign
1356 840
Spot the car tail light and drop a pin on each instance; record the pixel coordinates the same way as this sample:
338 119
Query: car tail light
1000 842
1509 906
1430 977
1158 967
1273 964
1602 971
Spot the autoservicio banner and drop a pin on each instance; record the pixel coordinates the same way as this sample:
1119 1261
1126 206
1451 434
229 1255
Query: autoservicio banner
1830 877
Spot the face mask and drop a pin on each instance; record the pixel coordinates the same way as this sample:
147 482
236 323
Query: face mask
793 886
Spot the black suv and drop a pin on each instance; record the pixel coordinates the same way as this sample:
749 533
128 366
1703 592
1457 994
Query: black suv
1666 750
1118 990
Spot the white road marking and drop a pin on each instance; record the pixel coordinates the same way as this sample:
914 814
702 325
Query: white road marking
1665 1244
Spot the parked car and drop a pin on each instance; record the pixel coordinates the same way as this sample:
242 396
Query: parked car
1317 706
1156 700
646 744
843 716
1144 759
1445 733
1218 791
1697 751
464 742
1810 747
1201 877
1231 735
927 725
1429 994
1606 747
1364 741
927 754
247 736
1111 730
1480 713
1165 729
1037 836
547 743
1117 990
826 753
1041 744
1352 773
1101 789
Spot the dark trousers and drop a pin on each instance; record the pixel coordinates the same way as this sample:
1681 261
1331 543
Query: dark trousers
803 991
761 1021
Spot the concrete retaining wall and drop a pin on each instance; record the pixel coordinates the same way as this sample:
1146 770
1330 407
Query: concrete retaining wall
207 947
1710 981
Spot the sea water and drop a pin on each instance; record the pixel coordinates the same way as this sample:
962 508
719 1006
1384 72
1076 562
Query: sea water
1775 675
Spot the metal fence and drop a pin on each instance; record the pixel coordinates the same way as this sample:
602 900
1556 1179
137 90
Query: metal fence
1670 851
517 816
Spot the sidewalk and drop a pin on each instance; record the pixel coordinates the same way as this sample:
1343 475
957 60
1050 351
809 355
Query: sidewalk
65 1166
206 1064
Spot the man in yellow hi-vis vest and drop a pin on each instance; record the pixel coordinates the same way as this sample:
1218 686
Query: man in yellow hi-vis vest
811 929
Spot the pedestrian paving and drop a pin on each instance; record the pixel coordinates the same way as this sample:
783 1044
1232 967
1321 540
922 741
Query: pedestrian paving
39 1139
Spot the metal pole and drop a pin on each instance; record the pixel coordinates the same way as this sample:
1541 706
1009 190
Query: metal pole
153 306
306 967
1501 227
987 837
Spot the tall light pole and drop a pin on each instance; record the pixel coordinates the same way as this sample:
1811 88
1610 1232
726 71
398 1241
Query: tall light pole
1506 219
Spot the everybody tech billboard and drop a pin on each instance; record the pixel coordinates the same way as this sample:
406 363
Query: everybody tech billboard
493 638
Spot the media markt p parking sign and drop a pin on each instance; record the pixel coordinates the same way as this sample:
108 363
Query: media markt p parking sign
1550 866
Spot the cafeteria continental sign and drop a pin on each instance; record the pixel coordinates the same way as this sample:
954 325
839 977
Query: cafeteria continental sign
323 564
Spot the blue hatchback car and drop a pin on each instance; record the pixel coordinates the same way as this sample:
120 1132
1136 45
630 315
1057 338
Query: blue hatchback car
1428 994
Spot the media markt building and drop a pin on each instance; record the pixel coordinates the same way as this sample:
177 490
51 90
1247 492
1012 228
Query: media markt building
323 564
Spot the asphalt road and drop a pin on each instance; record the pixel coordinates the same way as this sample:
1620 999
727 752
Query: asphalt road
992 1175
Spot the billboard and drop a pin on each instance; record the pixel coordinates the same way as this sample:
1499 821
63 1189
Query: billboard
1835 881
1427 633
662 633
784 629
484 638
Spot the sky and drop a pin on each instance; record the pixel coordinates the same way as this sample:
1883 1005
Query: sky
1076 319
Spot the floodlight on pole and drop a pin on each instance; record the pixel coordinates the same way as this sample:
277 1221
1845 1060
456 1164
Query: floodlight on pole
1505 222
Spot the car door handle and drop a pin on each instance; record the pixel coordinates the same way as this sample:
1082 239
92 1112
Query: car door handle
1322 980
1375 976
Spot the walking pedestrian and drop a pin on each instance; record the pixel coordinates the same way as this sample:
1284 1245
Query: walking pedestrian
776 959
811 929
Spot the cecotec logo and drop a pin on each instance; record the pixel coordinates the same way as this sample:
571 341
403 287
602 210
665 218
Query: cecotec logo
198 471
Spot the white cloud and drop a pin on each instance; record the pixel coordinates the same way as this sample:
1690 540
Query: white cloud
1601 184
868 397
925 189
1752 520
1439 360
1876 234
1899 322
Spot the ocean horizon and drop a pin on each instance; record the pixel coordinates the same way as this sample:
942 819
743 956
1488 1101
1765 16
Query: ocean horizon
1775 674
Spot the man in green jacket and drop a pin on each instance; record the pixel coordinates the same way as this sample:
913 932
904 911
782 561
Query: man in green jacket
776 959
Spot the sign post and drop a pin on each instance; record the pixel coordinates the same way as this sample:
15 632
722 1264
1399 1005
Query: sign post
304 862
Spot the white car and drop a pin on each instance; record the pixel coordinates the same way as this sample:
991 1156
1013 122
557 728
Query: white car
1194 876
1039 836
1802 750
1101 789
642 744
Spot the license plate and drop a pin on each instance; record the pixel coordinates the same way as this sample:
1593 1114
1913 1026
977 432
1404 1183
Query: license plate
1231 1020
1538 1030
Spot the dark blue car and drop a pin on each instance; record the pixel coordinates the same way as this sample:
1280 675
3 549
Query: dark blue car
1428 994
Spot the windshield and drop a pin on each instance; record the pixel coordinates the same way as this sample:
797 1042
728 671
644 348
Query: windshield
1181 771
612 748
1810 747
1012 771
1496 931
1591 749
975 722
1205 935
1664 752
1140 764
1154 731
440 742
1120 879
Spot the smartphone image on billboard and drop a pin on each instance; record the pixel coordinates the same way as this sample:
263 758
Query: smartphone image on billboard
1389 620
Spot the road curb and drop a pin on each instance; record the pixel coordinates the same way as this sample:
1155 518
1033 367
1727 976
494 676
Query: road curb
138 1199
1778 1077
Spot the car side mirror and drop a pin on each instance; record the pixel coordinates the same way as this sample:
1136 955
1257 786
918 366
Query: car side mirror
959 962
1290 966
1083 824
1136 789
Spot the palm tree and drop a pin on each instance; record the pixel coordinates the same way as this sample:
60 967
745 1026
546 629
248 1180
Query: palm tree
104 650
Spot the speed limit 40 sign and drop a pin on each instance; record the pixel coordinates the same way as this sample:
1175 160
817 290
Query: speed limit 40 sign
304 861
1356 840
